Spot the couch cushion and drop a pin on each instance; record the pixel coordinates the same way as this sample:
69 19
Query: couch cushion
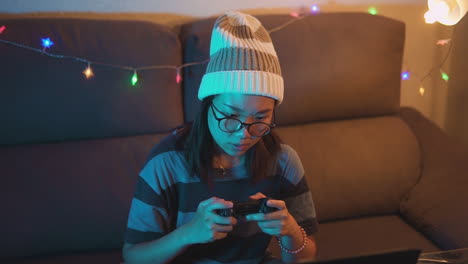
48 99
356 167
69 196
367 235
438 204
332 68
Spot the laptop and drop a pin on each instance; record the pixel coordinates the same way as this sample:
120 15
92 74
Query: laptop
400 256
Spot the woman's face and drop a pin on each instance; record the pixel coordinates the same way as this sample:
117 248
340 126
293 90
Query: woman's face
246 108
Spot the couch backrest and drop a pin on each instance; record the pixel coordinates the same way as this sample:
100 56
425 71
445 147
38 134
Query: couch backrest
63 105
357 167
71 148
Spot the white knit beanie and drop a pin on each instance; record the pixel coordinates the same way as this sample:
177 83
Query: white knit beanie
242 59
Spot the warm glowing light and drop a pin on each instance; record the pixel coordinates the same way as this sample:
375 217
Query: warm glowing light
47 43
422 90
405 75
88 72
134 78
2 28
437 10
446 12
372 11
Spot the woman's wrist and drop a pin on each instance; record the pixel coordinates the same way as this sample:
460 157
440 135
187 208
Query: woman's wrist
184 233
294 242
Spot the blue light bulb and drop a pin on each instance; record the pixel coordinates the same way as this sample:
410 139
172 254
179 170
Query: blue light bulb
405 75
47 43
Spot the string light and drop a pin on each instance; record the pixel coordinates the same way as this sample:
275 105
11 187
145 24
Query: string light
134 79
444 75
300 14
305 11
88 72
443 42
178 76
47 43
294 14
405 75
422 90
373 11
314 9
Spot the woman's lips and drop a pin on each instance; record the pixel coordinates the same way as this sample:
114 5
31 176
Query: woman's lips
240 147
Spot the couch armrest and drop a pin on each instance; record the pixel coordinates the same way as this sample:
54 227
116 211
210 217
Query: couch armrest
438 204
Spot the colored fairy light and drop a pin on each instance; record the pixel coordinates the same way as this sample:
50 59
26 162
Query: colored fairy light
47 43
422 90
2 28
444 75
134 78
294 14
372 11
405 75
88 72
178 76
443 42
314 9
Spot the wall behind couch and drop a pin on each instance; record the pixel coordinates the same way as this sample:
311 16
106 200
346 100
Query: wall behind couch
187 7
421 53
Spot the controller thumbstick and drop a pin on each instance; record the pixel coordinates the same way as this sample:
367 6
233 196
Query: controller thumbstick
264 208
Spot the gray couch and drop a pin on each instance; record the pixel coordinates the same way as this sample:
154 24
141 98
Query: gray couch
382 176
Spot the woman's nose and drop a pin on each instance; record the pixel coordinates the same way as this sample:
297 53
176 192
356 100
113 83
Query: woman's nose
243 132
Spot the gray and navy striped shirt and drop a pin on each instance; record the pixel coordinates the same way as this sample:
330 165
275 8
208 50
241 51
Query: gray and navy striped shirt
167 197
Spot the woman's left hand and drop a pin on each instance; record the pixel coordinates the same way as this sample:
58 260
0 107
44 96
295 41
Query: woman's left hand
278 223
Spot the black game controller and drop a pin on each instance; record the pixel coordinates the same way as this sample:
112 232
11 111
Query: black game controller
240 209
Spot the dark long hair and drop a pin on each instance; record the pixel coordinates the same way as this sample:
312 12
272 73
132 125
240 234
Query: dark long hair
199 149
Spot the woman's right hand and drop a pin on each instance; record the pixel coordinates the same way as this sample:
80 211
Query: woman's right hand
207 226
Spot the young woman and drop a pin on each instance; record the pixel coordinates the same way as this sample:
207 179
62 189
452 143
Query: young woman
229 154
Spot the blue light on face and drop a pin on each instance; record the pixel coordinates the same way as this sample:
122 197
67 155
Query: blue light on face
47 43
405 75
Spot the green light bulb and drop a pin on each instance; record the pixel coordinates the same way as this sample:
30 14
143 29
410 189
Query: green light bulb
373 11
445 76
134 78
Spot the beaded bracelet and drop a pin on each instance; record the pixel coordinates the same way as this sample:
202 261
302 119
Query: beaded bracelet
304 243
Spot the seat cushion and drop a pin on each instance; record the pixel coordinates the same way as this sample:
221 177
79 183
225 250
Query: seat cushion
68 196
345 238
369 234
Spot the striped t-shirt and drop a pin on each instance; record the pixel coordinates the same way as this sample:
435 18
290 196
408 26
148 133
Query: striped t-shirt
167 197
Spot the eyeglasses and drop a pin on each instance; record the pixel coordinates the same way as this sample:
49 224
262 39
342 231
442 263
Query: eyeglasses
231 124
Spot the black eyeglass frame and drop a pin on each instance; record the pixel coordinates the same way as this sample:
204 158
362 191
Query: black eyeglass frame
242 124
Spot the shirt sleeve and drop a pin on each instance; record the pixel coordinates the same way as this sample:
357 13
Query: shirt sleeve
295 191
149 213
